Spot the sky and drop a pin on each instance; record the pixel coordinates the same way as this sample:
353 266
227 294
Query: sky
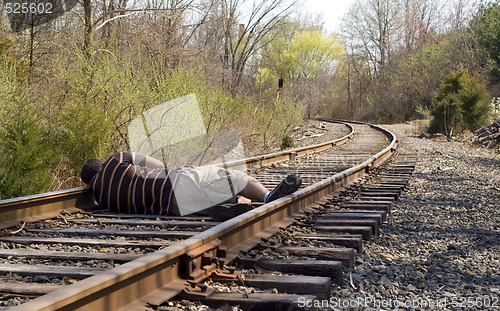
332 11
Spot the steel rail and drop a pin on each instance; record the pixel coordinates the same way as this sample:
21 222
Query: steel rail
272 158
156 277
43 206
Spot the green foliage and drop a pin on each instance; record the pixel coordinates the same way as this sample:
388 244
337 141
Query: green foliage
96 101
7 48
305 58
218 108
309 53
276 118
424 111
488 24
411 83
88 104
266 79
301 57
287 142
460 104
25 162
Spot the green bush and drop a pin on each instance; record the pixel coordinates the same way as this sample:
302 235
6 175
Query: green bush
461 103
287 142
25 162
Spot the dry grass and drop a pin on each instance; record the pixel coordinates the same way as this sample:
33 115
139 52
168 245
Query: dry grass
413 128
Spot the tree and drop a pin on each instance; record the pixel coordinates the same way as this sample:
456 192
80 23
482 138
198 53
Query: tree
461 103
414 77
239 37
418 24
409 47
304 62
308 54
370 27
488 24
304 57
20 67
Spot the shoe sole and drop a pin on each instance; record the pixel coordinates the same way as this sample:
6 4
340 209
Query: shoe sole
288 186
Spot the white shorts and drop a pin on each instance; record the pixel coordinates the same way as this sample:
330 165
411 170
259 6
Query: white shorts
198 188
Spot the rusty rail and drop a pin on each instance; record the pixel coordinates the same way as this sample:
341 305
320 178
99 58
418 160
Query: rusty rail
159 276
43 206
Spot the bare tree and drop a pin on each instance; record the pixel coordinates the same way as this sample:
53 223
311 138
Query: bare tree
460 12
236 37
88 27
419 22
167 16
371 27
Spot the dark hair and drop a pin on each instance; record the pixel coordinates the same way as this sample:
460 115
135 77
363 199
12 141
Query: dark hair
89 170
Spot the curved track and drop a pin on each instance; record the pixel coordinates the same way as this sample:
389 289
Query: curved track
179 249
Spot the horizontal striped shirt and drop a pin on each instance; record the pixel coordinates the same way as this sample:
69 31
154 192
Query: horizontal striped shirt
121 186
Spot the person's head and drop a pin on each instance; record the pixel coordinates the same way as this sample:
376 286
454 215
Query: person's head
89 170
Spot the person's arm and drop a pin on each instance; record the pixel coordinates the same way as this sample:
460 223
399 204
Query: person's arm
144 160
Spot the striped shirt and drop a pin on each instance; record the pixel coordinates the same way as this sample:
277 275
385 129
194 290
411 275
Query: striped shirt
120 186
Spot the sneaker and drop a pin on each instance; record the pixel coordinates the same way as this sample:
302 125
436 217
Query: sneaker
287 186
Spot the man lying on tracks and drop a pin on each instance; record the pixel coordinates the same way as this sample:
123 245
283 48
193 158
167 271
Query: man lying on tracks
136 183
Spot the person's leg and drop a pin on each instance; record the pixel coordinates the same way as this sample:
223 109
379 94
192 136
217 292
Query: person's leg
253 189
250 188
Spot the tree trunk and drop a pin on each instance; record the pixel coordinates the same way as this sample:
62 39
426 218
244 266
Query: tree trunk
87 36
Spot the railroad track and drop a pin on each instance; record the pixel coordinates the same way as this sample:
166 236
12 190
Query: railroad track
73 259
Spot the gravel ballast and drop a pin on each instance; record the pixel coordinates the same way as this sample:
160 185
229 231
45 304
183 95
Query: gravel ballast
440 250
